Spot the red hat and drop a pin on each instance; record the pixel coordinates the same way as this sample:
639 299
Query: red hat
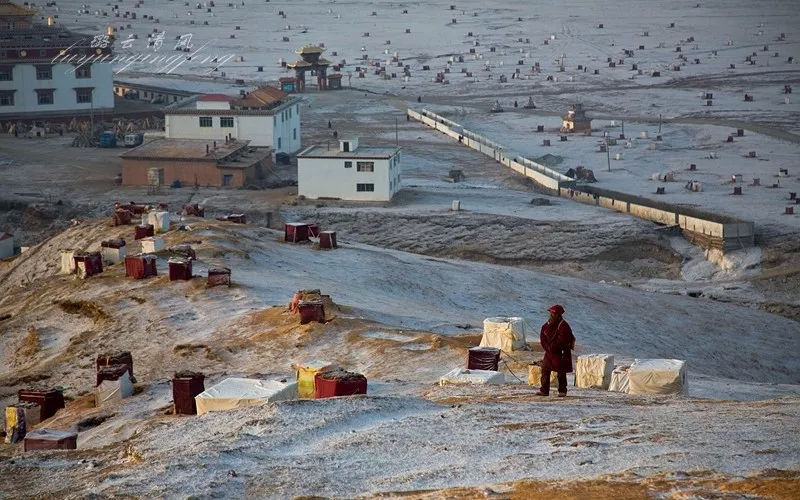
556 309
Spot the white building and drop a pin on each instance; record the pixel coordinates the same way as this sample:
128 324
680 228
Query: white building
6 245
267 117
351 172
49 71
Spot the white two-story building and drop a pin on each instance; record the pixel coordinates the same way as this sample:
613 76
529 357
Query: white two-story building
48 71
267 117
349 172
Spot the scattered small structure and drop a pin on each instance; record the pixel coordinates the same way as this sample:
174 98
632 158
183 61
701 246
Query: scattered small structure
184 251
152 244
49 401
296 232
180 269
576 120
187 385
327 240
219 276
159 220
464 376
529 104
535 374
454 175
657 376
194 210
483 358
50 439
496 107
306 373
112 251
581 174
88 264
113 384
140 266
506 334
335 383
235 218
20 417
311 310
6 245
240 392
143 231
122 217
594 371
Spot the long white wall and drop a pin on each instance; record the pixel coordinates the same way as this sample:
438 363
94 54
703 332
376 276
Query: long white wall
732 233
64 82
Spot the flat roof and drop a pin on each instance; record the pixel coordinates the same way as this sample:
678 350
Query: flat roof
184 149
332 151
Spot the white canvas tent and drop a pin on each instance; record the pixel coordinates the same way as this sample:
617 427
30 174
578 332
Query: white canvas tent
506 334
240 392
110 391
619 379
658 376
594 371
462 376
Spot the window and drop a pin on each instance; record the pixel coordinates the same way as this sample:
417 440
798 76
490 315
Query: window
42 53
44 72
290 112
44 96
84 71
274 121
365 166
226 121
365 188
6 73
294 134
7 98
83 95
227 180
348 164
145 93
206 121
279 143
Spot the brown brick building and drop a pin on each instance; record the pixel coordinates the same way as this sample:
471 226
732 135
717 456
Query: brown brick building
194 162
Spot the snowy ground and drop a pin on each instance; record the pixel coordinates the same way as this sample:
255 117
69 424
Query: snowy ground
407 318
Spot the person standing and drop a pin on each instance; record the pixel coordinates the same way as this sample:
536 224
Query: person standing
558 342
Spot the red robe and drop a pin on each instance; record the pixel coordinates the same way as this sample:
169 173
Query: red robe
557 341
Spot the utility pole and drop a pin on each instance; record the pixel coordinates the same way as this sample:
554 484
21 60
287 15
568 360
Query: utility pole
608 154
396 134
623 130
91 115
659 124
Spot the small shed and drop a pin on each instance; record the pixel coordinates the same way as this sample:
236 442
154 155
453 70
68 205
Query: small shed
296 232
186 386
311 310
327 240
287 84
483 358
219 276
6 245
194 210
113 384
184 251
159 221
180 269
122 217
50 439
140 266
113 251
143 231
49 401
306 373
336 383
20 417
88 264
68 261
115 358
152 244
236 218
576 120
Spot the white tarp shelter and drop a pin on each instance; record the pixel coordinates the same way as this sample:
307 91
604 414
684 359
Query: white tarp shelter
240 392
658 376
67 261
619 379
110 391
593 371
506 334
113 255
152 244
462 376
159 220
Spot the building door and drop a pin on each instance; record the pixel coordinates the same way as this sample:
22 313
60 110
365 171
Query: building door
346 146
227 180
